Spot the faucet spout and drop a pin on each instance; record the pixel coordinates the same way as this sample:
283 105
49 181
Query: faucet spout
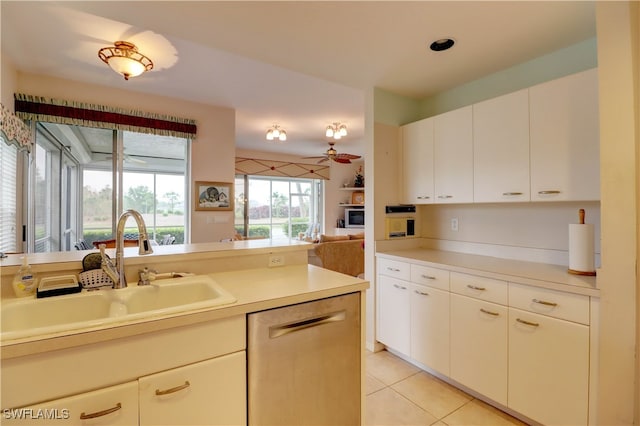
143 242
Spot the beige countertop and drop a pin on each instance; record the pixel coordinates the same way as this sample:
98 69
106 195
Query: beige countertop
255 288
543 275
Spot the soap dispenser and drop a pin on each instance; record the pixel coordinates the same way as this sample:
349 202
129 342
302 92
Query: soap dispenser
24 282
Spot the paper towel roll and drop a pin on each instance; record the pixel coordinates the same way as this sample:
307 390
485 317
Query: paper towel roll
581 249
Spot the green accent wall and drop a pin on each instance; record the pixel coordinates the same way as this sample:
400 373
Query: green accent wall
397 110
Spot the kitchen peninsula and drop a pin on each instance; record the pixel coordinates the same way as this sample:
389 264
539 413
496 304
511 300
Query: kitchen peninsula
183 367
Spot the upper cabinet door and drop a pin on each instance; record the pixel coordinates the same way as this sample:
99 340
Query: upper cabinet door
565 138
501 148
453 156
417 162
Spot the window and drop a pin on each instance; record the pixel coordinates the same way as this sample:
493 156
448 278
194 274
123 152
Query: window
8 201
276 208
80 190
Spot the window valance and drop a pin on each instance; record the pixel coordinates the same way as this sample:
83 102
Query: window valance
14 130
252 166
37 108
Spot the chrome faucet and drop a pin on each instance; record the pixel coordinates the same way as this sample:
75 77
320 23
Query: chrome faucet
116 272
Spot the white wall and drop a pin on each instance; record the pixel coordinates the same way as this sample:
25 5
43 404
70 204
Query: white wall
618 27
213 150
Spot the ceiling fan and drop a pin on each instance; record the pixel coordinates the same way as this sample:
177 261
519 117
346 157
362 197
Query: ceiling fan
332 154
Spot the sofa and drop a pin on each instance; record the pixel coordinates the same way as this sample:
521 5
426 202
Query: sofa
340 253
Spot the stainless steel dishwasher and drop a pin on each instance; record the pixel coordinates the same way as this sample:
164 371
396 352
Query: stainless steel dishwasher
304 363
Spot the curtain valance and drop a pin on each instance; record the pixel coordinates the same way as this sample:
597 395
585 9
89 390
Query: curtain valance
67 112
252 166
14 130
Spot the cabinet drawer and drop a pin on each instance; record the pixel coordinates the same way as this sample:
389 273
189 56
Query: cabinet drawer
433 277
480 288
394 268
557 304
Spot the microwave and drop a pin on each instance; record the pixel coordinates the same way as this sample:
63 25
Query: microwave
353 218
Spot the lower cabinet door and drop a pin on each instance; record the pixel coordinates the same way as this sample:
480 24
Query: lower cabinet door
115 405
430 327
211 392
393 313
548 368
479 346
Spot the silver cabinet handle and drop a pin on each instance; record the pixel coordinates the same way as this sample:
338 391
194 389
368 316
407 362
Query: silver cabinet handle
511 194
549 192
473 287
84 416
544 302
495 314
280 330
399 287
428 277
532 324
423 197
445 196
389 268
422 293
173 390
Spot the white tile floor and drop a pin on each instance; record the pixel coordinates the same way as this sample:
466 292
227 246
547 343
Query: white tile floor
399 393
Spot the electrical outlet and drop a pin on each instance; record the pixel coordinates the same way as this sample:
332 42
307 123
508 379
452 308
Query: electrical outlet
454 224
276 260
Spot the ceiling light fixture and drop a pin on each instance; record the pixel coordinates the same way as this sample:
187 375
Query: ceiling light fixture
442 44
276 132
336 131
123 57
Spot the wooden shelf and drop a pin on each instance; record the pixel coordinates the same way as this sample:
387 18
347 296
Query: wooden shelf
352 188
351 205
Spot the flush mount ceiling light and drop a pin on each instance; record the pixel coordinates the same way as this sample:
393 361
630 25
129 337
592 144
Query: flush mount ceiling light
123 57
276 132
336 131
442 44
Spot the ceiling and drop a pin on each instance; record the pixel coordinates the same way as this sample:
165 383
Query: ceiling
300 64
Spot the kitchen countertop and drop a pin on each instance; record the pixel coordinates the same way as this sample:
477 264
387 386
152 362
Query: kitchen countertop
255 289
544 275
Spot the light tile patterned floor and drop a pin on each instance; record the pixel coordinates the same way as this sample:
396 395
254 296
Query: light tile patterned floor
399 393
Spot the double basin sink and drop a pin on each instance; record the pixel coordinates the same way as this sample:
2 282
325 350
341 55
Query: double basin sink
31 317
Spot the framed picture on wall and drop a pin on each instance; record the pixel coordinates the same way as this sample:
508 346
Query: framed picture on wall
213 195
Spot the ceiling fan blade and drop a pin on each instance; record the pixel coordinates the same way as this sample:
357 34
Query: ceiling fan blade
342 160
347 156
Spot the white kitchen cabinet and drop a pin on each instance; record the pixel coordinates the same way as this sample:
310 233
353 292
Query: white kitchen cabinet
417 162
548 368
430 327
114 405
394 319
565 138
211 392
501 149
479 346
453 156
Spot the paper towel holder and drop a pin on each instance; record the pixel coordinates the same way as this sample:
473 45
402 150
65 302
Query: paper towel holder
573 271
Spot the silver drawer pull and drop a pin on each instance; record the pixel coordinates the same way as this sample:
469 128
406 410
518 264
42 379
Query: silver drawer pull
544 302
428 277
473 287
173 390
425 197
445 196
511 194
532 324
495 314
400 287
422 293
389 268
84 416
550 192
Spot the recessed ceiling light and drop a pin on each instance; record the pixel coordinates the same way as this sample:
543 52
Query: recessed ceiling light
442 44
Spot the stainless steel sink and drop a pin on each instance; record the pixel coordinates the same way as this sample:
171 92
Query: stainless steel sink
31 317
